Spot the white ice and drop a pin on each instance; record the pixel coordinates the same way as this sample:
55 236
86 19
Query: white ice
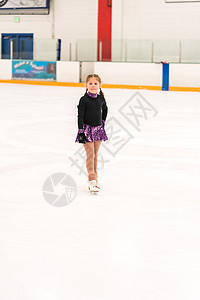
138 239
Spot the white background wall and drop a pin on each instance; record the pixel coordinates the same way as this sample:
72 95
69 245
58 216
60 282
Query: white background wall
75 20
132 19
68 20
155 19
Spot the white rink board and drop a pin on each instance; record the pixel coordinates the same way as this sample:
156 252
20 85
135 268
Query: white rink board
184 75
130 73
144 74
67 71
5 69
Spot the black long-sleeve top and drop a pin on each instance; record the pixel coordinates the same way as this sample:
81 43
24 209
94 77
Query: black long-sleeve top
91 110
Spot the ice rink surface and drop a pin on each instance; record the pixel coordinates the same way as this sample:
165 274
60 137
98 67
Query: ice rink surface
139 238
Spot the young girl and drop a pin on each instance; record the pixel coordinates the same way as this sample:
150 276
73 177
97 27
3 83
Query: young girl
92 113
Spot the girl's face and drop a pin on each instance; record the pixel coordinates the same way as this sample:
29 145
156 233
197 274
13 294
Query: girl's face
93 85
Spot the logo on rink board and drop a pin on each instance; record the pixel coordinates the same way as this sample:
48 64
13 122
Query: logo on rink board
3 2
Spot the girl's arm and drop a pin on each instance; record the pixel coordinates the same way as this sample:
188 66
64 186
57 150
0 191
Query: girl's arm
104 111
81 112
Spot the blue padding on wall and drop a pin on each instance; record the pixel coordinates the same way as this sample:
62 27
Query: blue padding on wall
165 81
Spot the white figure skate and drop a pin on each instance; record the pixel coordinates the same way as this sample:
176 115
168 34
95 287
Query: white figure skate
97 183
92 186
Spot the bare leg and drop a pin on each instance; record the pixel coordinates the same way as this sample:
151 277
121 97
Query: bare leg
89 148
96 150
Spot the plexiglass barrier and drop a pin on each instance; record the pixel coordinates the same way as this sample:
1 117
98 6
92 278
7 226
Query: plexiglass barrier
150 51
91 50
45 49
16 46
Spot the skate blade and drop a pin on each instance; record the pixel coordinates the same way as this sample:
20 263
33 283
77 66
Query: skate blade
93 191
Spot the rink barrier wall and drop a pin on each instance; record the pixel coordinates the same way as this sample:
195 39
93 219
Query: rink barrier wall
111 86
181 77
141 74
5 69
184 76
80 84
68 71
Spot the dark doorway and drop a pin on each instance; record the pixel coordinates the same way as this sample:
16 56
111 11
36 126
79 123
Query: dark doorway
20 44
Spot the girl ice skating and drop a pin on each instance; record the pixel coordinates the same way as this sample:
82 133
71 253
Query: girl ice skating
92 113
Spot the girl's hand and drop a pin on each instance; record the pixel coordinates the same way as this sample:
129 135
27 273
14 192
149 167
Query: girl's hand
82 138
103 122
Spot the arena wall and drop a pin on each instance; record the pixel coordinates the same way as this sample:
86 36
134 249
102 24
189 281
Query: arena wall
76 20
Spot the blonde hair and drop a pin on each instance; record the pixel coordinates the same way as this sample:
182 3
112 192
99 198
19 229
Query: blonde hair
97 78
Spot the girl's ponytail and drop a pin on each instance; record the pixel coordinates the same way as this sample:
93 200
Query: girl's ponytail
101 93
86 92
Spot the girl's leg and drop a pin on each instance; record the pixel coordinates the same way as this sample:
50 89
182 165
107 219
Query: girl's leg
89 148
96 150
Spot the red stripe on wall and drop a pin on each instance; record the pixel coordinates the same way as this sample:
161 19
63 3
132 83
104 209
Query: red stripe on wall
104 30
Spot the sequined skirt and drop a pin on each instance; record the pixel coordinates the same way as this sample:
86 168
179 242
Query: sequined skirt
94 133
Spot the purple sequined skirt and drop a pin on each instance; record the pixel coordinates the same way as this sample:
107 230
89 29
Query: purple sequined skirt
94 133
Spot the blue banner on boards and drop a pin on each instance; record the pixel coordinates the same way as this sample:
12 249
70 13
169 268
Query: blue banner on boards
29 69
